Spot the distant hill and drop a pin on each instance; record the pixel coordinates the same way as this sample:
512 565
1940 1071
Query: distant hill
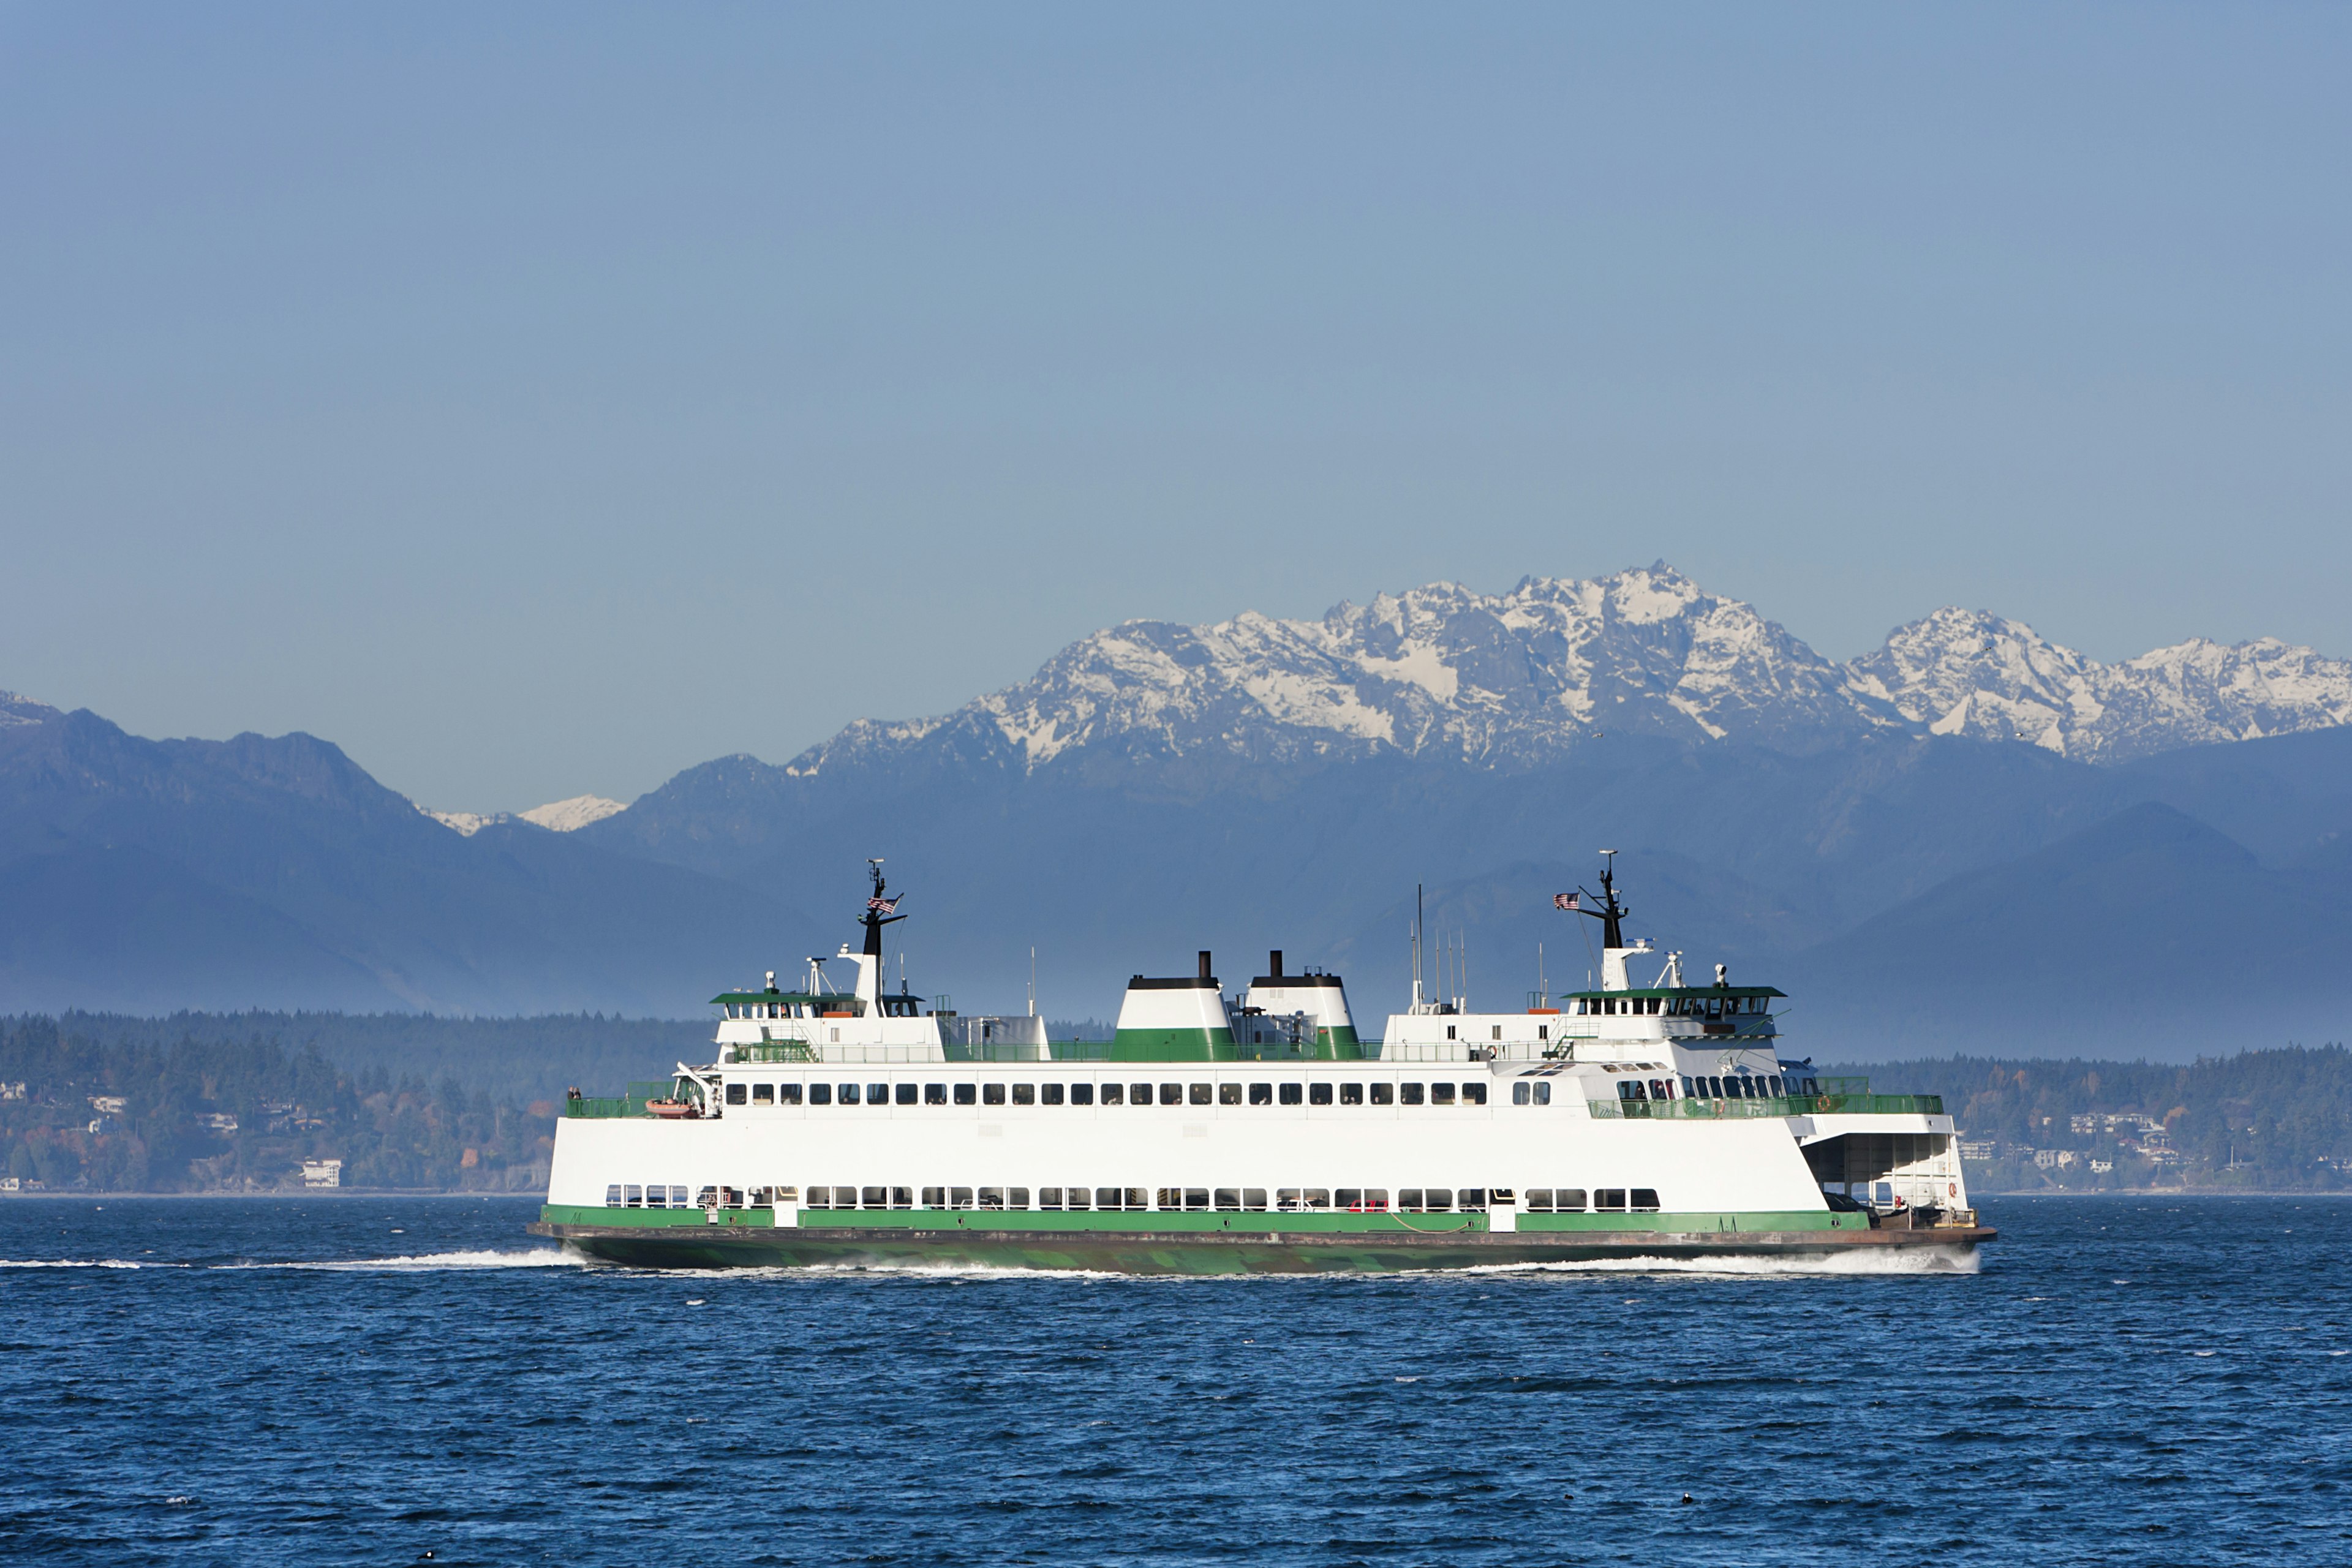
1971 834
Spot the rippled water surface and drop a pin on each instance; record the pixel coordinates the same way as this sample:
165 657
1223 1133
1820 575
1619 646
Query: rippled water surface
356 1380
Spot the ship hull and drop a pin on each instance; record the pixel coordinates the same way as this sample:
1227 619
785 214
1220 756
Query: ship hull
1214 1252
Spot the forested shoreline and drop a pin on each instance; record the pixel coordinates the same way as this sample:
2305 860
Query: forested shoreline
238 1102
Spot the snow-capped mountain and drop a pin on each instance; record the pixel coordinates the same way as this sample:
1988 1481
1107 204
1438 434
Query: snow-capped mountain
1555 664
578 812
1967 672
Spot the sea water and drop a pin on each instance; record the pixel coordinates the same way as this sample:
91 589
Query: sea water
373 1380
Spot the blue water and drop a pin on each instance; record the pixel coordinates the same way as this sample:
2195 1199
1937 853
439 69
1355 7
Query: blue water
356 1380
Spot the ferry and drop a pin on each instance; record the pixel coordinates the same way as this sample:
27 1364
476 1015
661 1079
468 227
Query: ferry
848 1125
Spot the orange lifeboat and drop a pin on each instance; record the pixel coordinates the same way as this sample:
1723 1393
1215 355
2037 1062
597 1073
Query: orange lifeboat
673 1109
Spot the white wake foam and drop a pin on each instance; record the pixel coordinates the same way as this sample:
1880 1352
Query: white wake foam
87 1263
429 1262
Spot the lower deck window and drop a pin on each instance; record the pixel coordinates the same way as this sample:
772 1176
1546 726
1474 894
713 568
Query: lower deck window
1645 1199
612 1198
1609 1200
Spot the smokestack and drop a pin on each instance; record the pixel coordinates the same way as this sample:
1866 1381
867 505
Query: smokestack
1273 964
1205 975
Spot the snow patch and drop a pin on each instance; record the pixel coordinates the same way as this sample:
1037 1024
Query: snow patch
578 812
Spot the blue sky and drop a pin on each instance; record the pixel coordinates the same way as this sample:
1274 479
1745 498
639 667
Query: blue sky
538 400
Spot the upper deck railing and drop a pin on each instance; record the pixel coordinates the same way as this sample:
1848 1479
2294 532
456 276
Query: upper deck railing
1778 1105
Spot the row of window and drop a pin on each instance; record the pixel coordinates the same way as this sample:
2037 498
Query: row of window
1284 1200
1672 1006
1735 1087
1350 1093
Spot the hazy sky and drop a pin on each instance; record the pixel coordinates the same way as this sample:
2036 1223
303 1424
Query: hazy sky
538 400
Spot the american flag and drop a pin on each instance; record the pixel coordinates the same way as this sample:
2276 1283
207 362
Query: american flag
884 906
1563 900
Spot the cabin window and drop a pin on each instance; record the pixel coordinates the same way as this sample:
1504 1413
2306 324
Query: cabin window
1049 1197
1543 1093
763 1094
1077 1197
820 1094
1253 1197
1441 1094
1476 1198
1383 1094
1261 1094
1172 1094
1543 1031
1540 1200
1568 1200
1140 1094
1376 1200
935 1198
1350 1198
1317 1197
1286 1199
1439 1199
1113 1094
1016 1197
1350 1093
1228 1094
877 1197
1049 1094
1412 1093
1522 1093
1229 1197
1201 1093
1318 1094
1409 1200
967 1093
1024 1094
907 1093
1499 1031
613 1199
878 1094
737 1093
1082 1094
788 1094
1645 1200
1196 1197
1449 1031
992 1094
818 1198
960 1197
655 1197
1121 1197
935 1094
1473 1094
902 1197
1609 1200
1293 1093
848 1094
992 1197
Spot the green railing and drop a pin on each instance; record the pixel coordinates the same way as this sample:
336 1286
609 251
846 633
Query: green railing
1782 1105
776 1051
630 1104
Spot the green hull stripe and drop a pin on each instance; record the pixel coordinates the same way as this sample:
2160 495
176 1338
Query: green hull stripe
946 1223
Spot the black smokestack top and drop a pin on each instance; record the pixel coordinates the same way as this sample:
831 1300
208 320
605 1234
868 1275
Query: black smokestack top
1205 973
1273 964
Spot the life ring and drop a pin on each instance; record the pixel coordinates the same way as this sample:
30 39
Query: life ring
1953 1188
